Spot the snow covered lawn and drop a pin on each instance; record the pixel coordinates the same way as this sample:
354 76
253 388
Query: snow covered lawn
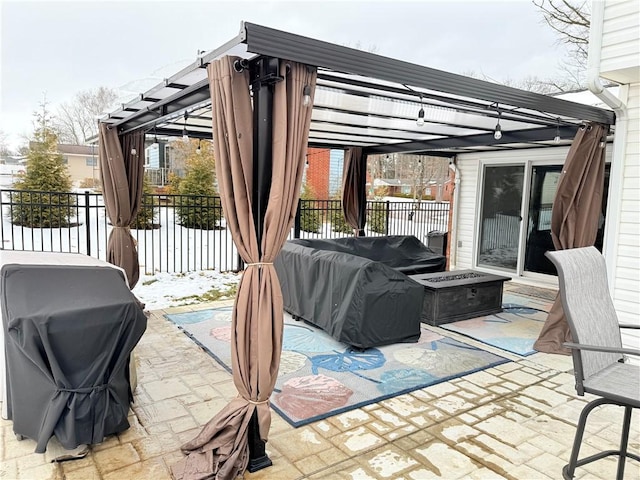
164 290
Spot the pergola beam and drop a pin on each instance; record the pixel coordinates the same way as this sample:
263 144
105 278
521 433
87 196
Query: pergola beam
268 41
483 139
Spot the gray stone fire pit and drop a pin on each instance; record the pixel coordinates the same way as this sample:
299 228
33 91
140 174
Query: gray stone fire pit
458 295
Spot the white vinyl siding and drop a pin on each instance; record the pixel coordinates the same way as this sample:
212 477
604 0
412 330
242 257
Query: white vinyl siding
467 211
626 294
620 57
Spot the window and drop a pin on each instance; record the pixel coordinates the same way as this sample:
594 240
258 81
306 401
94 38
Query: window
91 161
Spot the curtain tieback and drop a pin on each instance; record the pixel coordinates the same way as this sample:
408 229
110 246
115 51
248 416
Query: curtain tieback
253 402
259 264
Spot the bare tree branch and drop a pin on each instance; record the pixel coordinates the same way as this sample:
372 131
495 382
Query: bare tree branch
76 121
570 81
570 20
4 148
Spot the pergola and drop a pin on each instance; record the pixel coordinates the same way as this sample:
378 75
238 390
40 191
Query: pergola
367 100
364 103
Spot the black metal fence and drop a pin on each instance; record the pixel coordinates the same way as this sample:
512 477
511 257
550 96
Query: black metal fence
181 233
324 219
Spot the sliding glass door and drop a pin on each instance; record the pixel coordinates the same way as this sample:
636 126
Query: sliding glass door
516 198
500 216
543 185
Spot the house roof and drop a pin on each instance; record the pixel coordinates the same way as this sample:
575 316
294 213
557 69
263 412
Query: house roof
368 100
77 149
69 149
388 182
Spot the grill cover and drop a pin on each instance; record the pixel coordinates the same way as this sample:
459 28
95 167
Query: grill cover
69 332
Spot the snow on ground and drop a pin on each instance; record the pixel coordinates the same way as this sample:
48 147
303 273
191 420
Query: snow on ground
164 290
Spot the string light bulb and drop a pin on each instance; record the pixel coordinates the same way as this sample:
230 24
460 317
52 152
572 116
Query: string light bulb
420 119
198 150
497 133
185 135
556 139
306 96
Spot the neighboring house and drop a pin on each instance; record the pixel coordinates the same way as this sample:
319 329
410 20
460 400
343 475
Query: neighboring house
324 172
82 163
441 192
388 187
12 160
318 166
159 163
324 178
498 192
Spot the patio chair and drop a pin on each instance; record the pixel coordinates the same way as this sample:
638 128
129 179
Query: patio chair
598 355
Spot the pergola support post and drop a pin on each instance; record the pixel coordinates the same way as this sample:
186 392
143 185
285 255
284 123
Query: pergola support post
264 73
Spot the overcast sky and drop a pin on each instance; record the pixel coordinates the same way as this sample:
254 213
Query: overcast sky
61 48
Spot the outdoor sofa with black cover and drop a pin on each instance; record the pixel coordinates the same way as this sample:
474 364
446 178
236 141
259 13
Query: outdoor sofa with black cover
357 289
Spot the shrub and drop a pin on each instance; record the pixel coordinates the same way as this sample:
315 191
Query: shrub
93 183
310 216
41 209
174 184
377 217
411 196
198 211
196 205
146 216
338 222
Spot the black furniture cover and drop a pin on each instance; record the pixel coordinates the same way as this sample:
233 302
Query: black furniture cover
69 332
358 301
404 253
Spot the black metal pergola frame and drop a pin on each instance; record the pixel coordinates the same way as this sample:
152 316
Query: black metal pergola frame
368 100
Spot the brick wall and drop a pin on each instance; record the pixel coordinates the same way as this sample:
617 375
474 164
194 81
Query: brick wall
318 172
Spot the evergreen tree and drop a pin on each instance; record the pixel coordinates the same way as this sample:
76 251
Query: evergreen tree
46 174
310 215
377 217
338 222
196 205
146 216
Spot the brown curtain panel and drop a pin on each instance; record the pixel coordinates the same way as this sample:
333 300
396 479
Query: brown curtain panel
577 209
354 195
221 449
121 170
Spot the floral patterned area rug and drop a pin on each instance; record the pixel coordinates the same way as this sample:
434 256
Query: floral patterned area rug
515 329
320 377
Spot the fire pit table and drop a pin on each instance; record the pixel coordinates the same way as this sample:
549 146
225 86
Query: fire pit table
460 294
